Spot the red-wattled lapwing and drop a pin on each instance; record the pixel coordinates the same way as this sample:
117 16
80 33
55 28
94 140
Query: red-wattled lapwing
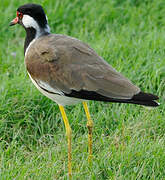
68 71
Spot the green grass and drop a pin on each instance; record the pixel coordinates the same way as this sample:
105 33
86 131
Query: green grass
129 140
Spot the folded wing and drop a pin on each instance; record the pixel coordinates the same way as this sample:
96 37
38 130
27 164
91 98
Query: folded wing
71 67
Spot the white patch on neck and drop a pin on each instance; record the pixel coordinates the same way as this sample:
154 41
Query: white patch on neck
28 22
47 29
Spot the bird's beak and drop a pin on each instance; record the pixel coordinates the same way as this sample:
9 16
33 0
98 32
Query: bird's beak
14 21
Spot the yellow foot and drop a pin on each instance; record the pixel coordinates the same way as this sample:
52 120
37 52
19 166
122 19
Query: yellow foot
68 133
89 126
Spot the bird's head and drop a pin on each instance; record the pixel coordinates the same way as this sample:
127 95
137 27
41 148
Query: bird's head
31 16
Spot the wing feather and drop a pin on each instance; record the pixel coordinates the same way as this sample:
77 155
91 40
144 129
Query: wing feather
67 64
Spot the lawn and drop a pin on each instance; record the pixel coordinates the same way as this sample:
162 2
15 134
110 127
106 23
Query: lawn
128 140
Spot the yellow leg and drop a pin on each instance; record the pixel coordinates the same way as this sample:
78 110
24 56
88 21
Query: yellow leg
68 133
89 126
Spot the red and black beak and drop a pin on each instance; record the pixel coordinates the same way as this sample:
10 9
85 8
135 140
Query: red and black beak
14 21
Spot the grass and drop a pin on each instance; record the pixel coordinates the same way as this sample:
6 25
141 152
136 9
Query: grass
129 140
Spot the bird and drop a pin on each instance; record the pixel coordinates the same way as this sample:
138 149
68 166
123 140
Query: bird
68 71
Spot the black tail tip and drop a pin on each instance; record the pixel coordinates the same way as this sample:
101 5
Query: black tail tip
146 99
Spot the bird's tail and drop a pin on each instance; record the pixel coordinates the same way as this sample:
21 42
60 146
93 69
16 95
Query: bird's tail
141 98
145 99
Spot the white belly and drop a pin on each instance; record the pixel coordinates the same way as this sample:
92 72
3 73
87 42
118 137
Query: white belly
59 99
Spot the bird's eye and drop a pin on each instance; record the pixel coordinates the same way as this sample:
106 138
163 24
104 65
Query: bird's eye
20 15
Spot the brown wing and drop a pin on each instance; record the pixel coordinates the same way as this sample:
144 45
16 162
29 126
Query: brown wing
67 64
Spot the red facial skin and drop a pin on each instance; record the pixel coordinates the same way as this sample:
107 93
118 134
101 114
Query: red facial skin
16 20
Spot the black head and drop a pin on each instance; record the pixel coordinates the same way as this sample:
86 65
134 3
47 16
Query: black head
32 17
34 11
